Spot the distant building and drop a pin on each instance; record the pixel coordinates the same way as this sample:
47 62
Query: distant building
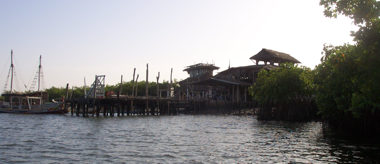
232 84
201 69
198 73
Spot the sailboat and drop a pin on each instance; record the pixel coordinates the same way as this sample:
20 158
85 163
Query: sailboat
29 103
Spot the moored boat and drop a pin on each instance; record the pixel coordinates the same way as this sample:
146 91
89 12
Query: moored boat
29 103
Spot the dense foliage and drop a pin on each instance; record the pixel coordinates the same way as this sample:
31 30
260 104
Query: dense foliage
282 85
288 89
347 80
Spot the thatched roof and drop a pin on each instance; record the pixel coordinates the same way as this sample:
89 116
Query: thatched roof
201 66
274 56
243 70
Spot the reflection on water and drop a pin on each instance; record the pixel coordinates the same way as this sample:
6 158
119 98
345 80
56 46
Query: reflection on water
171 139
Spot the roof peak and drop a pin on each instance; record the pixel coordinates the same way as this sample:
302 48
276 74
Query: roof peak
274 56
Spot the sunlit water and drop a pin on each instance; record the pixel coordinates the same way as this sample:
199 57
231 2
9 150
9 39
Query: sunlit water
171 139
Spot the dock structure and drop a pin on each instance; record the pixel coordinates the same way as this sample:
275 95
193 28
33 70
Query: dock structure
124 106
202 92
97 103
135 106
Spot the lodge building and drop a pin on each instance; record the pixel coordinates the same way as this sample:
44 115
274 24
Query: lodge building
230 85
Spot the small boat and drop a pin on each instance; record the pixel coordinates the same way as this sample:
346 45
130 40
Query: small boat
29 103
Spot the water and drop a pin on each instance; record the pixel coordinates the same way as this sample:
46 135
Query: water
171 139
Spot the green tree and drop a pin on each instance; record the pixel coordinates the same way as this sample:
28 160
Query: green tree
347 80
56 93
288 88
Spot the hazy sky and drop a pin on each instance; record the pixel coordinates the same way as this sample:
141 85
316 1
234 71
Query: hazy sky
82 38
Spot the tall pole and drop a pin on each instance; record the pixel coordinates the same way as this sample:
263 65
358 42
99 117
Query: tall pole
136 83
171 82
39 74
158 93
84 88
146 88
133 82
120 87
12 67
12 70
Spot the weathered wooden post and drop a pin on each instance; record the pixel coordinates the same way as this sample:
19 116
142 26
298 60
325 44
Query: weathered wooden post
104 109
133 82
71 99
93 107
147 91
120 87
65 98
169 90
158 94
126 107
122 106
78 109
118 98
117 106
137 84
135 94
72 92
83 104
133 90
112 110
72 107
87 106
97 110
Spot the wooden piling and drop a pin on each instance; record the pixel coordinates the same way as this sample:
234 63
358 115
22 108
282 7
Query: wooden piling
65 98
83 105
133 82
147 90
78 109
118 109
104 110
97 110
120 87
137 84
158 94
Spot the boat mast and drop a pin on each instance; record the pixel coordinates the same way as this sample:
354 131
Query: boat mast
12 70
39 74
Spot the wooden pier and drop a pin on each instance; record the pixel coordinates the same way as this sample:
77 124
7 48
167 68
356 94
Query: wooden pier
123 106
149 107
97 103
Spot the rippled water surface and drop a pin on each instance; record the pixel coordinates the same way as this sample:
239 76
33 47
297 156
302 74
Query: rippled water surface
171 139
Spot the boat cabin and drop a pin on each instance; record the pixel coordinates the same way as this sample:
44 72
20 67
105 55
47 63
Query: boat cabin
24 101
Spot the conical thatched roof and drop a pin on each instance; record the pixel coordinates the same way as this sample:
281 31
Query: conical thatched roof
274 56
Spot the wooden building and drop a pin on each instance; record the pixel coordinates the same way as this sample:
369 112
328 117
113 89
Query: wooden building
230 85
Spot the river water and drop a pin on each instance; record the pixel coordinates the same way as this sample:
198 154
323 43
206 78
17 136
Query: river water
172 139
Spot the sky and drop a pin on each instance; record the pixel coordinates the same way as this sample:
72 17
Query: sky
82 38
